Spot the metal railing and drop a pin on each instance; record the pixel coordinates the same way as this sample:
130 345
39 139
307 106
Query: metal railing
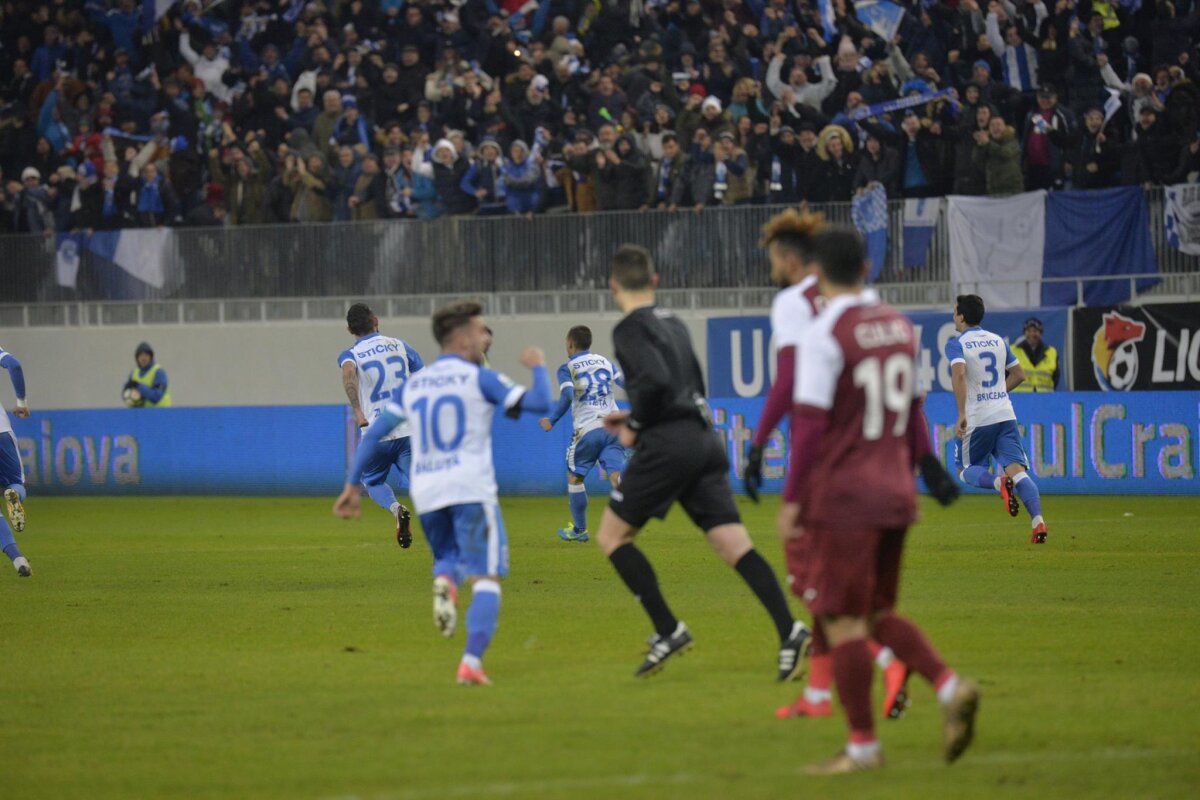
593 303
717 248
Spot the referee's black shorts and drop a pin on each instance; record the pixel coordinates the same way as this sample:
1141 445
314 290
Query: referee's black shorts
683 460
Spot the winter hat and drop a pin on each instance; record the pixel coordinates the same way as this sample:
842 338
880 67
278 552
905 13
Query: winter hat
983 65
87 170
540 82
445 144
710 102
31 172
490 142
521 144
348 101
144 347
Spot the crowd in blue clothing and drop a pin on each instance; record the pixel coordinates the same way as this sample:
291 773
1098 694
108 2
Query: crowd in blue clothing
247 112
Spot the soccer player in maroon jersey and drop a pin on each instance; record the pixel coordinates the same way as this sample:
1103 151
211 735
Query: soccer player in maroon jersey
788 238
858 435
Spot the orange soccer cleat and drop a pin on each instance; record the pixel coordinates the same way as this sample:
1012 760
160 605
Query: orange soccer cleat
803 708
895 685
472 676
1039 534
1009 495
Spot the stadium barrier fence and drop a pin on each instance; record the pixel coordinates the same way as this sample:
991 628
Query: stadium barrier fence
549 253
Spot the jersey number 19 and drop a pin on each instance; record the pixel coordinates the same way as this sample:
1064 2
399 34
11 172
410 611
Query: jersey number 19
887 386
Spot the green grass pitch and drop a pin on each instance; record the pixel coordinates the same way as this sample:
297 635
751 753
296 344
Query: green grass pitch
260 648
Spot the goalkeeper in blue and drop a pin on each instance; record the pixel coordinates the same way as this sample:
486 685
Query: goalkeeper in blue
12 473
585 384
449 406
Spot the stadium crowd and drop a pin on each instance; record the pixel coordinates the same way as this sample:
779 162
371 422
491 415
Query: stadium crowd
248 112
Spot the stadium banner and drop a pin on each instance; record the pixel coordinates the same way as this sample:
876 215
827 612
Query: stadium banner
741 353
1149 347
1078 443
1004 248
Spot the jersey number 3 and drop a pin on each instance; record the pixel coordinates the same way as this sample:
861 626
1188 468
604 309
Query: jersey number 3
887 387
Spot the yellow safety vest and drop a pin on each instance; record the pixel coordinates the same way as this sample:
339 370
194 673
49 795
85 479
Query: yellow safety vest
1041 377
148 380
1108 12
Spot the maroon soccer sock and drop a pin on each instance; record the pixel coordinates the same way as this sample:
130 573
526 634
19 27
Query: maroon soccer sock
910 646
853 669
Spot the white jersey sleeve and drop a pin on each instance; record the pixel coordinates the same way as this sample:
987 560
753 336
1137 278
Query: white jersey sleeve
819 360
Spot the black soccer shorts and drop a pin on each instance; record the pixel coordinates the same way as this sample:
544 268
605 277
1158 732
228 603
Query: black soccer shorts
683 460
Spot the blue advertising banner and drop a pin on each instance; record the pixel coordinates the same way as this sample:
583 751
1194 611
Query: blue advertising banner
1077 443
741 355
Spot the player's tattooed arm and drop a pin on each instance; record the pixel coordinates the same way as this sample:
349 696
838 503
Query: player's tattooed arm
350 384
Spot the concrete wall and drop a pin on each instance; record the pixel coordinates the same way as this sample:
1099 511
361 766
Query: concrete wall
255 364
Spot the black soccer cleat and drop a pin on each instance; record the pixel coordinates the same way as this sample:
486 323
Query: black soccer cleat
403 528
793 653
662 648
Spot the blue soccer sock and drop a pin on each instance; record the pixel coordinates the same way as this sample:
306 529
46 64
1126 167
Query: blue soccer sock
1027 490
382 494
20 489
482 618
979 476
577 497
7 543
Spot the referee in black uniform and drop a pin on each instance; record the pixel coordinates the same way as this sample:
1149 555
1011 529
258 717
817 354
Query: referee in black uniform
677 456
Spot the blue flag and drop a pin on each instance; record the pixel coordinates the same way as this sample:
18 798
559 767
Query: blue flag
828 18
869 211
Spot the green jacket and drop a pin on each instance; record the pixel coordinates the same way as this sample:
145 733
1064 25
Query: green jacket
1001 162
245 198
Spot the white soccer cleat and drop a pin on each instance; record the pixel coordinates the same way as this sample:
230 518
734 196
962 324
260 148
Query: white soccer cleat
16 511
21 565
445 606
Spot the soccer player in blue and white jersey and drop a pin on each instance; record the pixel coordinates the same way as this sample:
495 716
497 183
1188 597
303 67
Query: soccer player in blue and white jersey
585 384
984 370
450 405
12 472
373 370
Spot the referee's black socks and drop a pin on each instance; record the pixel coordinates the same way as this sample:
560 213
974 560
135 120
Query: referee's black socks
635 570
755 570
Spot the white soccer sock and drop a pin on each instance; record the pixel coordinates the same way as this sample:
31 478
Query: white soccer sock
945 692
885 657
472 661
1037 520
816 696
395 508
998 482
863 751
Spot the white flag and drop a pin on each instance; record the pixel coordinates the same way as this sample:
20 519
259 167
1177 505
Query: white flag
997 247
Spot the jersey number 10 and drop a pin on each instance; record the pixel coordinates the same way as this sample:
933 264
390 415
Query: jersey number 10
888 387
431 420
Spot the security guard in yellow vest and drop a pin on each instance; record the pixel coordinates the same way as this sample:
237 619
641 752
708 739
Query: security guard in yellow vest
1038 359
147 384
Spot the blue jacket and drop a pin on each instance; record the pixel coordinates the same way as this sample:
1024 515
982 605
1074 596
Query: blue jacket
524 184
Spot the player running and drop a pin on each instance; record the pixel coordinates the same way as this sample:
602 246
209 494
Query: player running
374 369
12 472
857 437
450 406
678 456
789 238
585 384
987 425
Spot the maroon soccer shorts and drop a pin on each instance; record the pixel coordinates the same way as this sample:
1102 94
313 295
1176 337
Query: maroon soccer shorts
852 573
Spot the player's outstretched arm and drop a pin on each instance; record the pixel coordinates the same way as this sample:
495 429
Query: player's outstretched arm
17 375
347 504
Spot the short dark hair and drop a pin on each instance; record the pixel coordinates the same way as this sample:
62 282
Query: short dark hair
359 319
841 254
580 336
970 307
448 319
632 267
670 137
